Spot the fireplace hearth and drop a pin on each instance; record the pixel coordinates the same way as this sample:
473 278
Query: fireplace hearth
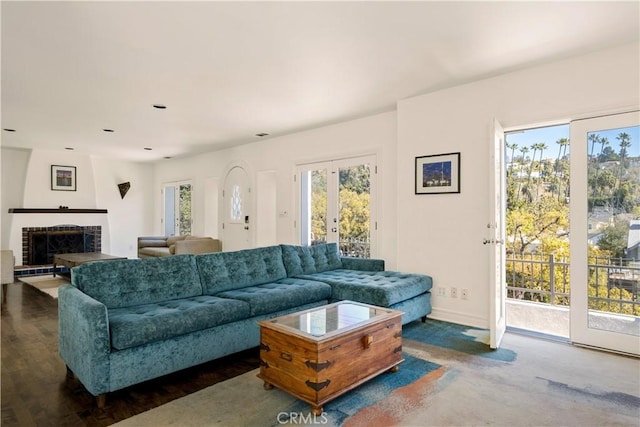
40 244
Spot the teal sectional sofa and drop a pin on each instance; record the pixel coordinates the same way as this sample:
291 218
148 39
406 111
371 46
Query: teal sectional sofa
123 322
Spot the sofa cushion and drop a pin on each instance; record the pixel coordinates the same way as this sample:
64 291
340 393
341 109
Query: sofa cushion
144 242
133 326
171 240
154 251
280 295
310 259
223 271
381 288
129 282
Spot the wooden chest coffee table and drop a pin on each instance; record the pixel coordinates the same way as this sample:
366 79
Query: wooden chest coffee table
321 353
72 259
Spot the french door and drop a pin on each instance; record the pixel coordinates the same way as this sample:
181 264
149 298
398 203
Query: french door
237 204
177 208
605 232
336 204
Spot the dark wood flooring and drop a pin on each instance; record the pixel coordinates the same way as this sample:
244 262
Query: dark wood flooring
36 392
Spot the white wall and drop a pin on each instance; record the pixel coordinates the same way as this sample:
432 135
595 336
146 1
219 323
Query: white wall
26 183
371 135
129 216
14 173
442 235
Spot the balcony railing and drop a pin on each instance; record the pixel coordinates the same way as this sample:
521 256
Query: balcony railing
351 246
613 283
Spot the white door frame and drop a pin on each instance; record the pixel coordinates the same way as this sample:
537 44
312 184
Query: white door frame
496 235
581 333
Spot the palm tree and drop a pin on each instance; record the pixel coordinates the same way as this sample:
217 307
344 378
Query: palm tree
512 147
603 141
595 139
625 141
534 147
542 146
524 150
562 142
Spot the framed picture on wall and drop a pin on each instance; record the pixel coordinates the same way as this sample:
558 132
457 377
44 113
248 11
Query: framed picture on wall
438 174
63 178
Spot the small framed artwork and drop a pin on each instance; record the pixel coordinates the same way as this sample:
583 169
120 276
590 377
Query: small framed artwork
63 178
438 174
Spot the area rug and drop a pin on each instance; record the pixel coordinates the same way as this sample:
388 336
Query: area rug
227 402
445 380
465 339
46 284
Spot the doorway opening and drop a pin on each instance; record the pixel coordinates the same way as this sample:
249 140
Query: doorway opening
573 211
177 208
537 230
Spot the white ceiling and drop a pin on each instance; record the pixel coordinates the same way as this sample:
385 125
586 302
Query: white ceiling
229 70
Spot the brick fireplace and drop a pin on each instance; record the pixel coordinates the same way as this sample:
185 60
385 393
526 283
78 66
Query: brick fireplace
40 244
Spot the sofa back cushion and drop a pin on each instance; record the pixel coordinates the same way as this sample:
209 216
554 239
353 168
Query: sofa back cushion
130 282
152 241
224 271
171 240
310 259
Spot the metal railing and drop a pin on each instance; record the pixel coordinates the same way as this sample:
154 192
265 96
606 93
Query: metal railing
613 283
350 246
355 247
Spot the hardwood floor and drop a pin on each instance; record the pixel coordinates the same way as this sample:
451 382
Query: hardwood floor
36 392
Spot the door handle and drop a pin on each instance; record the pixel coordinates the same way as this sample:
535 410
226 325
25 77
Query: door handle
497 242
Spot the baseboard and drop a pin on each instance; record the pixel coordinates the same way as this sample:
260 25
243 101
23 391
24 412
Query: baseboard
458 318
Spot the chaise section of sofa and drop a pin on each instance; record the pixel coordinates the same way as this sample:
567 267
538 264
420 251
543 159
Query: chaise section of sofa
362 280
159 246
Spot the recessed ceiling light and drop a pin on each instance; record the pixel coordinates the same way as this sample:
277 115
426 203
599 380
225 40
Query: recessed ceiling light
108 130
9 130
159 106
148 148
261 134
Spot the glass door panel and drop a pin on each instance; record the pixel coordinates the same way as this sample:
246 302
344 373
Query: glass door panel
313 203
605 241
354 196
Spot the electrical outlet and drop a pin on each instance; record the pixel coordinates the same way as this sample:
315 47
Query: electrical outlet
442 291
454 292
464 293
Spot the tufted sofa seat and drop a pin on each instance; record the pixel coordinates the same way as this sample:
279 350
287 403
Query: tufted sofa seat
131 320
381 288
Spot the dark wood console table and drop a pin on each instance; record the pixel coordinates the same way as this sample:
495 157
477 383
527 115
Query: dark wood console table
72 259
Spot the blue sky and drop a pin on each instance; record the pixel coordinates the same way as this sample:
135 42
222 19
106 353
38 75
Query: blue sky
549 135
